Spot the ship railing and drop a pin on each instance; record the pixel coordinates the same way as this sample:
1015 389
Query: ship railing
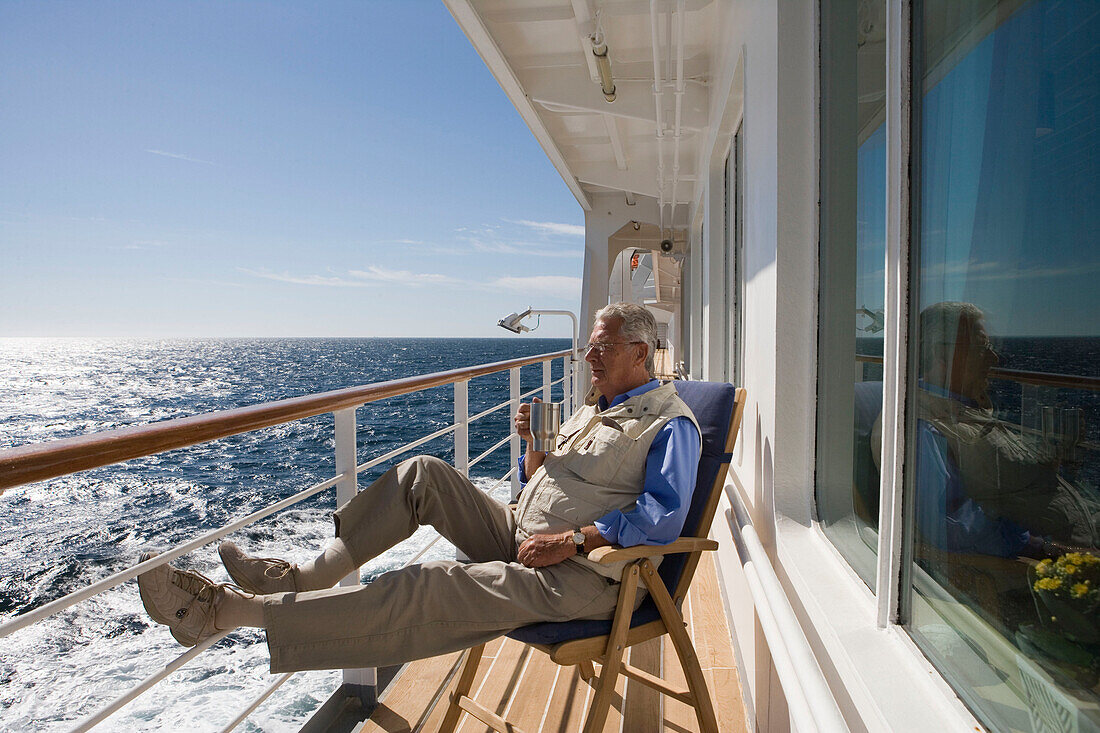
810 702
53 459
1030 400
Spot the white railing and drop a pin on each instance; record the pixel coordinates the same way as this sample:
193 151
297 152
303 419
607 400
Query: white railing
810 702
58 458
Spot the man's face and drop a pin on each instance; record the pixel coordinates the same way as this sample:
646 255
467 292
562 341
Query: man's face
973 358
616 368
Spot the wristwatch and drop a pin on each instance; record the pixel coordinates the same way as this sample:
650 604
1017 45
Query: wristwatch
578 540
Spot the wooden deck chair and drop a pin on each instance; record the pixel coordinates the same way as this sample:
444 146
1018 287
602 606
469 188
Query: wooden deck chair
718 408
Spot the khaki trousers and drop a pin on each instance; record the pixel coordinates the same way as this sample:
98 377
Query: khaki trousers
438 607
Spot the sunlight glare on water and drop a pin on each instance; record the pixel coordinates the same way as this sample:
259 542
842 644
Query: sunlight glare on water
57 536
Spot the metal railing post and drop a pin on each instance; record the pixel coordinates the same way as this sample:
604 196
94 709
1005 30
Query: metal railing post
462 427
546 381
566 387
361 683
513 395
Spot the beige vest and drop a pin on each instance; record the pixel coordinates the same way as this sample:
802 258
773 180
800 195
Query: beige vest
597 467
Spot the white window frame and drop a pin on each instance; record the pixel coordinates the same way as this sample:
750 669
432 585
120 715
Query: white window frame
899 126
887 680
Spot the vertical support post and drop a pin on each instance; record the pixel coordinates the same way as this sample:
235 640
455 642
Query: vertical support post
361 683
896 367
462 427
567 388
546 380
513 395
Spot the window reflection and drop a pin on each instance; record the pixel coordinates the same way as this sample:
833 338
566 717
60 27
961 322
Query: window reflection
1004 423
853 250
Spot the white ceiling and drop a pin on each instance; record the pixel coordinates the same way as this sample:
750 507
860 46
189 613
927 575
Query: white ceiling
540 52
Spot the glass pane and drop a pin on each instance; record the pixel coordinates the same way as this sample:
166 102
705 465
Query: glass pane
853 278
1005 416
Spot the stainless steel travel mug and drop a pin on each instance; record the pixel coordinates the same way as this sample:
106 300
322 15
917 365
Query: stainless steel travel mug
545 423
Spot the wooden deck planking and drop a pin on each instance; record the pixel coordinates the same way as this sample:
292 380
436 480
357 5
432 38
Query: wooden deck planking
537 695
679 716
716 654
644 711
495 691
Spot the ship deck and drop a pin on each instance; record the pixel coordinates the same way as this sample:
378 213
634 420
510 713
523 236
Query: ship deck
535 694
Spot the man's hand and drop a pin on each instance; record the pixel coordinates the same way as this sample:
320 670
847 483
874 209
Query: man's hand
541 550
533 458
522 420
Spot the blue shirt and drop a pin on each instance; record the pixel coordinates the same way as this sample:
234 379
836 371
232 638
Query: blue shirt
946 516
671 464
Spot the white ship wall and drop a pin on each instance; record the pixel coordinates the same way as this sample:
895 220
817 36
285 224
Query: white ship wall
767 77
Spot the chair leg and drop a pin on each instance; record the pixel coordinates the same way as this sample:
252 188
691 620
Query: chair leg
586 670
674 622
613 658
470 661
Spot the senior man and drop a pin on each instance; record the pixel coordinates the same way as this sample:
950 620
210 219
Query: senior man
622 472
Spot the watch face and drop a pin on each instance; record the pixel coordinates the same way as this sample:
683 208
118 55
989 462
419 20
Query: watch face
578 539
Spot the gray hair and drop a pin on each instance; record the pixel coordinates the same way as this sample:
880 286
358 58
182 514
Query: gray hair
939 330
638 325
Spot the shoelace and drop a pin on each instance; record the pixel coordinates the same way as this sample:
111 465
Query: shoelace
281 568
209 590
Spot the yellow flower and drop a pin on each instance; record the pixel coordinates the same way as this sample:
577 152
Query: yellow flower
1043 567
1048 583
1070 569
1080 589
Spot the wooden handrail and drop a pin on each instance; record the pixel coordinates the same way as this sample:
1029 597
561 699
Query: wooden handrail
1045 379
39 461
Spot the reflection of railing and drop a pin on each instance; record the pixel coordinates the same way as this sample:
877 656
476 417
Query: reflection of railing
1037 379
41 461
1043 379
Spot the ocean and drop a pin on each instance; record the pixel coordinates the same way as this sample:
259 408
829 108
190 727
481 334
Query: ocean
60 535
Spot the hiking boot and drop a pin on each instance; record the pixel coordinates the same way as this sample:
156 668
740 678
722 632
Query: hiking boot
259 575
182 600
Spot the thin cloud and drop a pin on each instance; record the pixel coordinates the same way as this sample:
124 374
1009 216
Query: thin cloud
337 282
357 278
201 281
551 227
178 156
490 240
974 271
141 244
560 285
403 277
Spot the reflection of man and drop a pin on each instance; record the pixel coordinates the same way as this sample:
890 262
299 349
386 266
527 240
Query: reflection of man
623 472
981 487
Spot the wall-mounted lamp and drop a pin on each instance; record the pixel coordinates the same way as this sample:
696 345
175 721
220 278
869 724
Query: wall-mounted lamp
513 323
603 66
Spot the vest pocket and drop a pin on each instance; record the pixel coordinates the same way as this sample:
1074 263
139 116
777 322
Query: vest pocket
596 457
567 511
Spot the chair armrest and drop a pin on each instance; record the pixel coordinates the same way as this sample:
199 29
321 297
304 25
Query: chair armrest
613 553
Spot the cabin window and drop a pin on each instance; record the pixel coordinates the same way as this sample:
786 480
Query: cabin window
852 278
1003 416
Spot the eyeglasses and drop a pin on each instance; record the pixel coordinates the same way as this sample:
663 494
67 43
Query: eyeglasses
602 348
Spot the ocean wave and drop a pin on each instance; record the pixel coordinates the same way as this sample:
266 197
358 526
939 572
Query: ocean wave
60 535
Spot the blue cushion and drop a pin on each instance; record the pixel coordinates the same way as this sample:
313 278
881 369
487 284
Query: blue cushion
712 404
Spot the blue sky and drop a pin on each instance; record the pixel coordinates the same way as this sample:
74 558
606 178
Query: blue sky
268 169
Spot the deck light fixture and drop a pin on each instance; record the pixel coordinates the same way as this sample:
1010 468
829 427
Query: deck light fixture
513 322
603 66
